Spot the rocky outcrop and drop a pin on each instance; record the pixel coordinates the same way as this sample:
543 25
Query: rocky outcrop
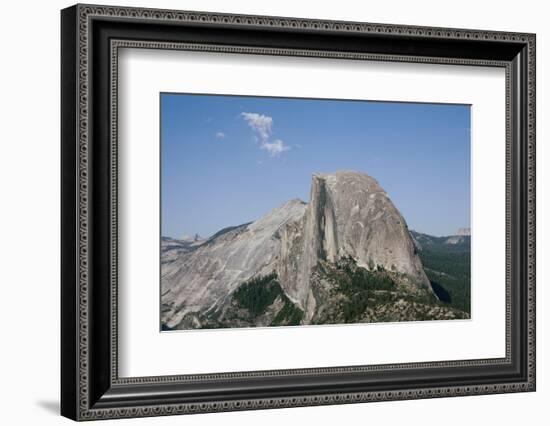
348 216
203 278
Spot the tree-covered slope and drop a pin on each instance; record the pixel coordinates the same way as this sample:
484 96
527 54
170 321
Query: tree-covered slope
447 263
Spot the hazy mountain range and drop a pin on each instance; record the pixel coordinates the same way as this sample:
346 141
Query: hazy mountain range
346 256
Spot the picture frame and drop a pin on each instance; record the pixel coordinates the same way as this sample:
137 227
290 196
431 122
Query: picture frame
91 37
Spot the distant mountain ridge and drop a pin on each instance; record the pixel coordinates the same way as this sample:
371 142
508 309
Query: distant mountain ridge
422 240
463 231
346 256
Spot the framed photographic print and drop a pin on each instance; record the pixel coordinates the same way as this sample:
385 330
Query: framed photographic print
263 212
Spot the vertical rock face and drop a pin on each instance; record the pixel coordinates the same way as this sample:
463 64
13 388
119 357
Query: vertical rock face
305 243
349 216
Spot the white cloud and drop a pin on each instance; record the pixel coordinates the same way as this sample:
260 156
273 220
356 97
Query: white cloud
262 126
275 148
220 135
259 123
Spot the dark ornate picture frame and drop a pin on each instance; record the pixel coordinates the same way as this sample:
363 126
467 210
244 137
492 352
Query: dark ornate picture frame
90 385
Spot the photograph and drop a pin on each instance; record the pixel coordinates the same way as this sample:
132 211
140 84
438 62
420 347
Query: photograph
296 212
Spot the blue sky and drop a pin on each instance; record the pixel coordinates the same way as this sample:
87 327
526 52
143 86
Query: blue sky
228 160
